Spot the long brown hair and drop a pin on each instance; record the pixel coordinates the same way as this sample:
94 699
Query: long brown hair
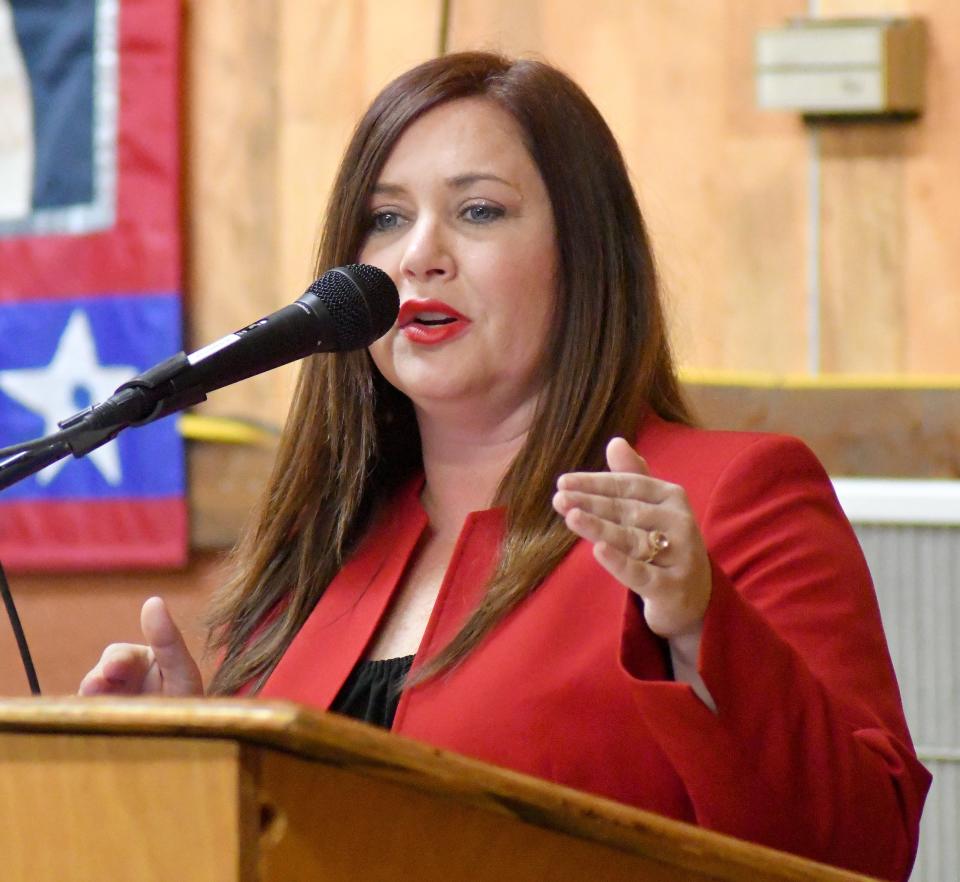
351 437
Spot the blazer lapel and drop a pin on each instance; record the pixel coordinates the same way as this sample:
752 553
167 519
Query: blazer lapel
334 637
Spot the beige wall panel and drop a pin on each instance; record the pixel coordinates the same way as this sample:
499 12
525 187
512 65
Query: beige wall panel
723 186
862 275
871 8
229 164
933 205
891 212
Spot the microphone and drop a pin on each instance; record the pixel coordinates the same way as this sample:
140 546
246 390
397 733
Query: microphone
346 308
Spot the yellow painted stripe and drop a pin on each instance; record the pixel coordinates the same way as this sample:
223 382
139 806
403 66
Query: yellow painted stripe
761 380
224 430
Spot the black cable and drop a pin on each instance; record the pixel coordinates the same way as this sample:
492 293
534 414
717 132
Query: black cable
31 445
18 633
28 462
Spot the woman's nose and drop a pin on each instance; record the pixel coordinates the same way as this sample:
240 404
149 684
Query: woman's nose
428 253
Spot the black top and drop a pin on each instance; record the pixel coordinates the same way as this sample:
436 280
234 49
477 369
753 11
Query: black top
372 691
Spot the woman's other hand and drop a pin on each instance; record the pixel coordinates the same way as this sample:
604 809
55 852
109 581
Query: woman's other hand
163 666
624 512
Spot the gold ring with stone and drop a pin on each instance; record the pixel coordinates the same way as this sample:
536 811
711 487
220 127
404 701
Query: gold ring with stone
656 542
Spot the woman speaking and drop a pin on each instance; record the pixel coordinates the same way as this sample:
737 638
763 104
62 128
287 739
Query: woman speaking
499 532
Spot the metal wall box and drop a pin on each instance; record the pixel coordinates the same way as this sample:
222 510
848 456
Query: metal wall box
842 67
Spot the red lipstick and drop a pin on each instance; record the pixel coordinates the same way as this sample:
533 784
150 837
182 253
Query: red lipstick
428 322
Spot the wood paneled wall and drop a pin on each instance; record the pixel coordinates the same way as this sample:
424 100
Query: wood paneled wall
271 91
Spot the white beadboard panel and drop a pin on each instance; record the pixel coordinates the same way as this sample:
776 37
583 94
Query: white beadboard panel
916 570
938 859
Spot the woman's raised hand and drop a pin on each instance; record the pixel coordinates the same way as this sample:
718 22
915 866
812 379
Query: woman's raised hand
644 534
163 666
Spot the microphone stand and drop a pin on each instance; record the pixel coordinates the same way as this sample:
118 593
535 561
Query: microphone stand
21 638
145 398
30 461
27 459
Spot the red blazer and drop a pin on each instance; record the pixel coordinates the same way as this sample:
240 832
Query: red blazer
808 750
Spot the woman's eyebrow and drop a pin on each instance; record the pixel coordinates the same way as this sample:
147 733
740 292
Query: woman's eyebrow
457 182
468 178
382 189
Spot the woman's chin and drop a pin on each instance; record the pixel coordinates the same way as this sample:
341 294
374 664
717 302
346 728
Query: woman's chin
444 395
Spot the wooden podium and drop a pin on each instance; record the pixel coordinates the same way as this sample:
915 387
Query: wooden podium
208 789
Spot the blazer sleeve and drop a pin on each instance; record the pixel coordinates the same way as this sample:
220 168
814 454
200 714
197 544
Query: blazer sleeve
808 750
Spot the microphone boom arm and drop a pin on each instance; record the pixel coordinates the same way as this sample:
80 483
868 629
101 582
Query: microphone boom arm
346 309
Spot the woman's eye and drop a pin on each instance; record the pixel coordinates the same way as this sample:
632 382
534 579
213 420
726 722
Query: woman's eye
385 220
482 214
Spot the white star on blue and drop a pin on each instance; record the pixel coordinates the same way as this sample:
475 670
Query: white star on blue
73 378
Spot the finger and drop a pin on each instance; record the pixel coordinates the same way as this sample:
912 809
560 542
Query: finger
626 512
621 457
178 671
122 670
624 568
128 664
669 609
624 484
628 540
95 683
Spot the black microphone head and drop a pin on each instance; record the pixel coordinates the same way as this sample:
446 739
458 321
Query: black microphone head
362 301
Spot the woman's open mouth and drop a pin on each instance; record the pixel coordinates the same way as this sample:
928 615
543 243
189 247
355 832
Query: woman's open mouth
428 322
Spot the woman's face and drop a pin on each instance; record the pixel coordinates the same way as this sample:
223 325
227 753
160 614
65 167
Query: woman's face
461 221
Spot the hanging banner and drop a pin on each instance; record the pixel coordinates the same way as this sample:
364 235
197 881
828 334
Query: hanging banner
90 273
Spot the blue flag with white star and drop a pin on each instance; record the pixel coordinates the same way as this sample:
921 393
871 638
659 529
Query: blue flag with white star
89 273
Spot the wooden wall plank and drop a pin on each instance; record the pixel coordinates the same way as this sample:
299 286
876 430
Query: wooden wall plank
863 292
336 57
891 212
226 482
868 8
723 186
933 203
231 231
893 433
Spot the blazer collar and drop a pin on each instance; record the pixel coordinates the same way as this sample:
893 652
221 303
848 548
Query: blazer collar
337 632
